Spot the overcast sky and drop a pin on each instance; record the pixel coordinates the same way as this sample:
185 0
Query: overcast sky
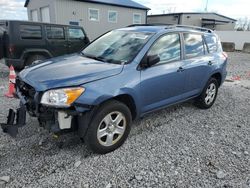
13 9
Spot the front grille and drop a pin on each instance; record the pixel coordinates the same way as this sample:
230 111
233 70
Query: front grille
28 92
25 89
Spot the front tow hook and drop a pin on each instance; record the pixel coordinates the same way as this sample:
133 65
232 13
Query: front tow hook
11 127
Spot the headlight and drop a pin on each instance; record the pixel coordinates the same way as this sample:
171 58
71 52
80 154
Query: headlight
61 97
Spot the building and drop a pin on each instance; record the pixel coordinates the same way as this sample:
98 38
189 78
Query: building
96 16
211 20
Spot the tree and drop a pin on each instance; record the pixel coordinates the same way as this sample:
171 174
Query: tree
243 24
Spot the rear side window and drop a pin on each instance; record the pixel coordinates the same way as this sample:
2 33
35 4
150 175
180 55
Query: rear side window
211 43
76 33
55 32
31 31
193 45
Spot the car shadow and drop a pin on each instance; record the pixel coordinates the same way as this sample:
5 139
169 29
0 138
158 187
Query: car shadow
72 143
39 141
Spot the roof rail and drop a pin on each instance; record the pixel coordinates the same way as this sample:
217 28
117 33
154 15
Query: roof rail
191 27
153 24
170 26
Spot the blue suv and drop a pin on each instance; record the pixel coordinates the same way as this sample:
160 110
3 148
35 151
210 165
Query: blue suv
121 76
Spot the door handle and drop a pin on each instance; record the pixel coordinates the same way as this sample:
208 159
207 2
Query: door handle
180 69
210 63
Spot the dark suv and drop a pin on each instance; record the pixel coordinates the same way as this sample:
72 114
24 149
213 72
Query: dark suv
23 42
119 77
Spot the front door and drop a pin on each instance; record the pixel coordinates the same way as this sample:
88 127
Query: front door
163 83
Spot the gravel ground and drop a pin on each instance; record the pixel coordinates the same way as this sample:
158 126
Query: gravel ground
180 146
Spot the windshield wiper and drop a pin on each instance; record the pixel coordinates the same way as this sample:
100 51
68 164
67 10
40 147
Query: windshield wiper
115 61
98 58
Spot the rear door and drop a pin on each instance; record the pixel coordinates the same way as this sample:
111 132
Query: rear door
77 39
196 63
56 40
26 36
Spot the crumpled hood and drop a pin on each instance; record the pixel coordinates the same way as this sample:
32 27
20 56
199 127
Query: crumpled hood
67 71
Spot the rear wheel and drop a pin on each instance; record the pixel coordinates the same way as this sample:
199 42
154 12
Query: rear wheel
109 127
208 95
33 58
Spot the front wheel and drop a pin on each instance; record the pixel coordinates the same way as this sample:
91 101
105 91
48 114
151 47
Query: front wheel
32 59
109 127
208 95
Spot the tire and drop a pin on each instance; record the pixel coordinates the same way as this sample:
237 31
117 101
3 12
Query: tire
31 59
104 133
208 95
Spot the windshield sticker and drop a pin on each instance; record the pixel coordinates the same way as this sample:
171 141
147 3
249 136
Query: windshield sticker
139 36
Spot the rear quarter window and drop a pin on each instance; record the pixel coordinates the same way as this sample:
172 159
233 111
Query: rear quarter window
212 43
193 44
76 34
31 31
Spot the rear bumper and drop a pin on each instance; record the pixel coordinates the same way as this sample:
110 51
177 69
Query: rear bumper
223 77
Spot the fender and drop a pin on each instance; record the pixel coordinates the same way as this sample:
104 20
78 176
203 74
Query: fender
216 72
35 50
222 75
123 91
85 119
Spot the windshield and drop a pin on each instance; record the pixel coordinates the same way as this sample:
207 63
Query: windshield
117 46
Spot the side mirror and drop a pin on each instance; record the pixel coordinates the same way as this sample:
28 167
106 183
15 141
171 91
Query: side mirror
150 60
86 40
153 59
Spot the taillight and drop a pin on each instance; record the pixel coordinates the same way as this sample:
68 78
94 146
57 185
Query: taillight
225 55
11 49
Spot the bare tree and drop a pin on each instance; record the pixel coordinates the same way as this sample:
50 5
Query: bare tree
243 24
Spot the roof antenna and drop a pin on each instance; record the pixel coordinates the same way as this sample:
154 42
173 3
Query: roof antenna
206 6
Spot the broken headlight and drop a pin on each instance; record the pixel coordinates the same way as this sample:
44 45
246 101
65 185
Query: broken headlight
61 97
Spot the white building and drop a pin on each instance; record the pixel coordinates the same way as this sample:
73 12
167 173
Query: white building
96 16
209 20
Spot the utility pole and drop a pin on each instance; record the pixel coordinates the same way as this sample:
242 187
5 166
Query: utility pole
206 6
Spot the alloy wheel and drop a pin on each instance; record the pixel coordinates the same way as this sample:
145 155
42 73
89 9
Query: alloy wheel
111 128
210 94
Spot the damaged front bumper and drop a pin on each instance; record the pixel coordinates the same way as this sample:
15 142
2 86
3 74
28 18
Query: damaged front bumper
14 121
56 120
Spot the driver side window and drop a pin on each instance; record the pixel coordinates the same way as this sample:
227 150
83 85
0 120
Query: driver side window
168 48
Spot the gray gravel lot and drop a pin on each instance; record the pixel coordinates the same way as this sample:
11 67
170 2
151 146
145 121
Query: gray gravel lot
180 146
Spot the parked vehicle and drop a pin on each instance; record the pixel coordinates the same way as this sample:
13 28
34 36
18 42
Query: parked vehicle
23 42
119 77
